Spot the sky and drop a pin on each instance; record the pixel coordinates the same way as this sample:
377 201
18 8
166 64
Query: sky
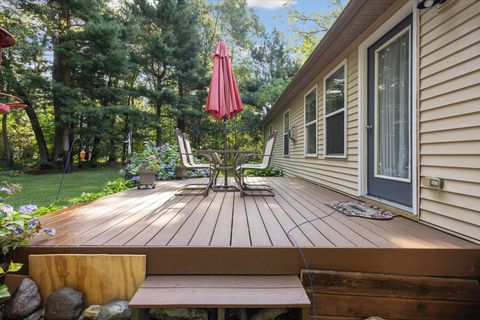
273 13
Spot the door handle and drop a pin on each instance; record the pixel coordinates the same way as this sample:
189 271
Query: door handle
369 126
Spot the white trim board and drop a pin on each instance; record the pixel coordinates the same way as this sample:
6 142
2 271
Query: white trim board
395 19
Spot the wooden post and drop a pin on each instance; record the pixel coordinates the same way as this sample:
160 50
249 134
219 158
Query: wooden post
221 314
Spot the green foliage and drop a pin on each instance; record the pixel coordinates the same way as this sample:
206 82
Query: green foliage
16 227
119 73
268 172
111 187
162 160
318 24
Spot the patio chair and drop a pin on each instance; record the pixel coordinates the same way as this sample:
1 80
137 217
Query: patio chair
188 161
261 189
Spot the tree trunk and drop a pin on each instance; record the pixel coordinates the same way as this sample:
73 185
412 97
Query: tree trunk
94 158
181 116
158 108
6 144
37 130
61 75
66 150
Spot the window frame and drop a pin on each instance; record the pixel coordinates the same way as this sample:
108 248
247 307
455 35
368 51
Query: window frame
315 122
286 134
344 110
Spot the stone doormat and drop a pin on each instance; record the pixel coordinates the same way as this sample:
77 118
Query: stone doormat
361 209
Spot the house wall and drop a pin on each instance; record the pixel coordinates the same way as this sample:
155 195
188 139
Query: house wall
448 119
338 173
449 115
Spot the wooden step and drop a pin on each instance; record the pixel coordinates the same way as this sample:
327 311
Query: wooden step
221 292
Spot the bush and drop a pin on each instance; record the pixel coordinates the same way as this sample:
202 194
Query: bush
162 160
269 172
16 227
111 187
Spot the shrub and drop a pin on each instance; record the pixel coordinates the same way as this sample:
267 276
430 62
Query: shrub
16 227
268 172
162 160
111 187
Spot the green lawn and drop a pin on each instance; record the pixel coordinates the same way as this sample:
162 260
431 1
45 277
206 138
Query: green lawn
42 189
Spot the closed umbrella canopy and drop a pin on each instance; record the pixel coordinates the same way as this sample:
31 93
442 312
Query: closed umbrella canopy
223 100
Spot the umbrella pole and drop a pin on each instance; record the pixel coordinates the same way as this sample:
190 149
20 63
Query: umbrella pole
225 132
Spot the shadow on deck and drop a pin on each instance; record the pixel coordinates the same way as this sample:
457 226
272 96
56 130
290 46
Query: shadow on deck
226 234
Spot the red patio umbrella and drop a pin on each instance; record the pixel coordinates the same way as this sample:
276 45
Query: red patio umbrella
223 101
6 40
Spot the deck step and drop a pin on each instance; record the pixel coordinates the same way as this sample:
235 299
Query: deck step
221 292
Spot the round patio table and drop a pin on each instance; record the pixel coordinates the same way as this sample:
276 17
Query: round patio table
226 165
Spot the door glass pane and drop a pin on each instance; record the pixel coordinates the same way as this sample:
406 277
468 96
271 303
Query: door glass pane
335 91
393 108
311 143
335 134
311 106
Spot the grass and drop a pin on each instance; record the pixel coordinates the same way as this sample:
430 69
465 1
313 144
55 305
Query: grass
42 189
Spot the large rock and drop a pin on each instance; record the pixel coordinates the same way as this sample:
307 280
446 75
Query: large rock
64 304
24 301
115 310
92 312
179 314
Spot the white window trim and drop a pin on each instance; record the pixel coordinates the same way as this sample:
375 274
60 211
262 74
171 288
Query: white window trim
402 13
310 155
285 135
408 30
345 108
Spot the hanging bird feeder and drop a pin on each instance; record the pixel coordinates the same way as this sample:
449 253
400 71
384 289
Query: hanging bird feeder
13 102
83 154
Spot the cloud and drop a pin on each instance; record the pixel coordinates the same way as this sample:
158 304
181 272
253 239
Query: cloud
270 4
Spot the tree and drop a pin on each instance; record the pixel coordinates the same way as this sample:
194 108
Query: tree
23 69
274 65
318 23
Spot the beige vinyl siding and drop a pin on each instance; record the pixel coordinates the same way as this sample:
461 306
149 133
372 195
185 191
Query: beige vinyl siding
449 115
338 173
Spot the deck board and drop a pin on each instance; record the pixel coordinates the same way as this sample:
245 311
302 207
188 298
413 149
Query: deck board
222 233
296 216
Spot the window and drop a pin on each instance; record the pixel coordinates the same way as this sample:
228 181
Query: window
270 130
334 124
286 133
311 123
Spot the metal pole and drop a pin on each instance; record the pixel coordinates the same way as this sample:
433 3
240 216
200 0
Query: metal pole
225 132
67 163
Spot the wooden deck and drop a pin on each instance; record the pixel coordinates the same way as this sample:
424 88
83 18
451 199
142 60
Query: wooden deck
193 234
